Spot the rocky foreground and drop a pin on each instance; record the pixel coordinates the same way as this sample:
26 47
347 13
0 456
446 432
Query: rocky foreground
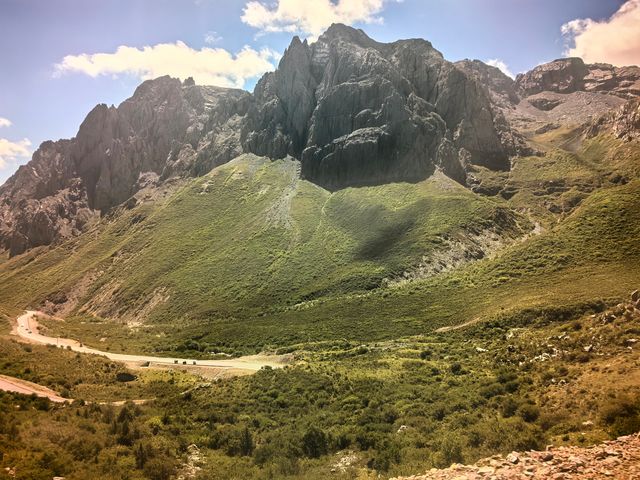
618 459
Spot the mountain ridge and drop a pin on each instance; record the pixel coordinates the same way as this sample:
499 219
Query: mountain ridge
351 110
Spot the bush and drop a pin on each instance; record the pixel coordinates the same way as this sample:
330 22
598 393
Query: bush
450 451
492 390
456 368
386 455
314 443
159 468
125 377
528 412
622 416
509 407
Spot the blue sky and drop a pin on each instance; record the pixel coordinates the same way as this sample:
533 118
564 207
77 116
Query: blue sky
44 95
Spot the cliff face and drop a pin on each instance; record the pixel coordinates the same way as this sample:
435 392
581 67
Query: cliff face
568 75
622 123
563 92
356 111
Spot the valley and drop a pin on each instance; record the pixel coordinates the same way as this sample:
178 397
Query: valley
361 270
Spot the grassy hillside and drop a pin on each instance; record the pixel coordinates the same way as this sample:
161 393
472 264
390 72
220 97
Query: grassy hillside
250 257
250 239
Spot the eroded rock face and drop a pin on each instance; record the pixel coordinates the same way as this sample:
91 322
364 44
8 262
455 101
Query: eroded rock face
43 201
623 122
358 112
501 87
569 75
166 128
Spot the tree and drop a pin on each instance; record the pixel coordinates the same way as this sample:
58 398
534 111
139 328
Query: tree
141 456
314 443
246 442
159 468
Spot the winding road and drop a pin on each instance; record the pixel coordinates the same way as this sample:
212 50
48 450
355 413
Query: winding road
27 329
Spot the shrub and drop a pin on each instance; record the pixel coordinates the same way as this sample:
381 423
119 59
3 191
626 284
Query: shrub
314 443
456 368
528 412
622 416
492 390
159 468
450 451
509 407
386 455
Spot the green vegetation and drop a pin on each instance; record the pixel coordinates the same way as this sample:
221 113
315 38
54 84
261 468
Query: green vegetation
83 377
247 242
397 407
249 259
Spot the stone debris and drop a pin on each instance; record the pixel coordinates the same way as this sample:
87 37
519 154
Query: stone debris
345 460
193 464
617 459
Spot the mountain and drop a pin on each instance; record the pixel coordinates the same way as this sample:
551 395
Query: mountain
355 166
68 184
353 111
447 258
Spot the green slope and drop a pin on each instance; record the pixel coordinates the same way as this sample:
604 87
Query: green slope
250 239
250 256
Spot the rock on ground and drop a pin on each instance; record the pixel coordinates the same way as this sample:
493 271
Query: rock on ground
616 459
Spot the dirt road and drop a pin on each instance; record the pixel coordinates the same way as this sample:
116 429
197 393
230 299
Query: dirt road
11 384
27 329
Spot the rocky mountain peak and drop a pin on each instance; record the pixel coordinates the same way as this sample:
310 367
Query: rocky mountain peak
356 111
563 76
500 85
346 33
568 75
351 110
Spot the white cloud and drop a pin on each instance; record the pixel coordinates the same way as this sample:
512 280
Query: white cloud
208 66
12 151
496 62
5 122
615 40
310 17
212 37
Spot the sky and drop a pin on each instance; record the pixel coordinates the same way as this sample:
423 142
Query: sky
59 58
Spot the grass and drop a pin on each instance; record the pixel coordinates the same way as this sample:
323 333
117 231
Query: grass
248 259
247 241
84 377
252 260
396 407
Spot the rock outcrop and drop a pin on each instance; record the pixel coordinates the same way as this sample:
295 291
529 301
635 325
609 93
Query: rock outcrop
502 88
619 459
357 112
622 123
568 75
563 92
166 128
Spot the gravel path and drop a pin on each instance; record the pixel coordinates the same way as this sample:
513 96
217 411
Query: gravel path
11 384
27 329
